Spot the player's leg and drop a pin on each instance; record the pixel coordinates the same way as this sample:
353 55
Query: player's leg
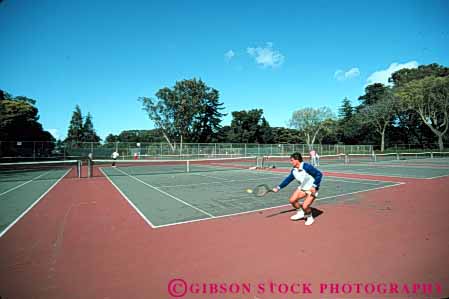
294 201
310 197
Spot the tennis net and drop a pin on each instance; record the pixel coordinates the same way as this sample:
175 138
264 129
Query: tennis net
364 158
414 156
440 155
42 170
150 167
284 161
397 157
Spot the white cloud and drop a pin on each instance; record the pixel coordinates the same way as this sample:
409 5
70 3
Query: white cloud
383 75
345 75
266 56
54 132
229 55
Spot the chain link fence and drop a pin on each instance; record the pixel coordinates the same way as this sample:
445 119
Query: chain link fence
39 150
44 150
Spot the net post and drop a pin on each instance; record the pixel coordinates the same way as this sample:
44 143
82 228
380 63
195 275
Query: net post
188 166
78 168
89 168
397 156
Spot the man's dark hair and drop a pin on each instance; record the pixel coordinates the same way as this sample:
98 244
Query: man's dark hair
296 156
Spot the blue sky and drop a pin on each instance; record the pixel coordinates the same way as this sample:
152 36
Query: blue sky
278 56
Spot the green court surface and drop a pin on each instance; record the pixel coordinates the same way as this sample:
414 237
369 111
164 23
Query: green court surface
416 168
167 199
393 170
19 191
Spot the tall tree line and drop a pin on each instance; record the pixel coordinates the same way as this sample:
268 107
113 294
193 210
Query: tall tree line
81 129
412 110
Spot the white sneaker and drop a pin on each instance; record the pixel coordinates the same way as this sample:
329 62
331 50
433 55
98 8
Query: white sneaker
298 215
309 220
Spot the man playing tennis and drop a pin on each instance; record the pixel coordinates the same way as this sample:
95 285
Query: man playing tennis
114 156
309 179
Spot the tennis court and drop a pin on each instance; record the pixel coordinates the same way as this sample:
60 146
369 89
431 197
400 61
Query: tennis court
142 224
209 190
22 185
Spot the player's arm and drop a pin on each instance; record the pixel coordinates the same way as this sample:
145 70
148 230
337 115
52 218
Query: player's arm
315 173
285 182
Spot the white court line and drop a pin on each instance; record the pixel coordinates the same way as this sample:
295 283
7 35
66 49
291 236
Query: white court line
212 183
355 182
403 165
129 201
32 205
270 208
165 193
436 177
23 184
214 177
378 174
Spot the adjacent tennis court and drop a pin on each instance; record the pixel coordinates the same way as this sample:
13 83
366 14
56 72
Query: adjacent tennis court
404 165
207 193
22 185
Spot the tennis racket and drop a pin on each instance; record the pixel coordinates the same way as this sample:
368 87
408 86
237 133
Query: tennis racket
262 190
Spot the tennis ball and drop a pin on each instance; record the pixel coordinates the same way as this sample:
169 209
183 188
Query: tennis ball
249 190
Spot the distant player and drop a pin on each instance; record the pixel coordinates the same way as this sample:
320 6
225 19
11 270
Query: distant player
309 179
114 156
313 157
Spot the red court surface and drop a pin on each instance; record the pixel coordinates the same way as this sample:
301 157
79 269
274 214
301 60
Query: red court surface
84 241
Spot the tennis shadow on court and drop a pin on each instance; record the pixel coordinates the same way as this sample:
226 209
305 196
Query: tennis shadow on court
315 212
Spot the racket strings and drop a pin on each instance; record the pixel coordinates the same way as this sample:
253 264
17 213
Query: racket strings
261 190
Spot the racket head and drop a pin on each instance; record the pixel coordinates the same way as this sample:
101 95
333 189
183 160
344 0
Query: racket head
262 190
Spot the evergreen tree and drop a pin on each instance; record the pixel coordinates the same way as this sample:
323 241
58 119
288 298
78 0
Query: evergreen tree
346 111
75 132
88 130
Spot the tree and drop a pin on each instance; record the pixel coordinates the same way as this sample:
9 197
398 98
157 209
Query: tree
373 93
329 132
207 122
136 136
89 134
380 114
190 109
429 97
222 135
111 138
361 126
76 128
409 121
19 121
346 129
249 127
404 76
310 121
286 135
346 110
